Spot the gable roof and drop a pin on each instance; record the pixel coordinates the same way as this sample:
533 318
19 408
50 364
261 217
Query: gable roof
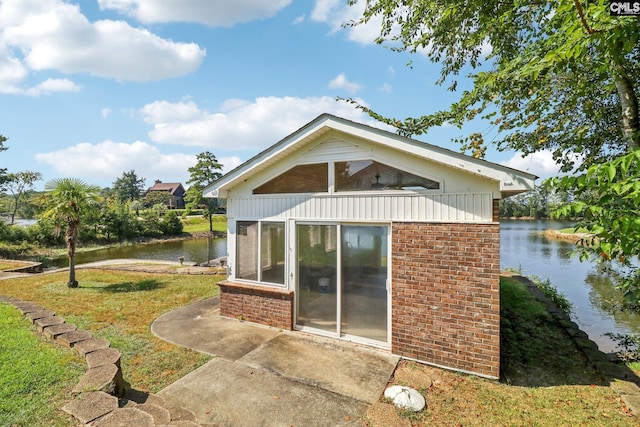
171 187
512 181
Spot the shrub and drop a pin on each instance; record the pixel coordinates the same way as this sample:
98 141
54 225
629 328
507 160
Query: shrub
171 224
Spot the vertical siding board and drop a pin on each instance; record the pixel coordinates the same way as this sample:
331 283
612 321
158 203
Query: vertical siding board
433 207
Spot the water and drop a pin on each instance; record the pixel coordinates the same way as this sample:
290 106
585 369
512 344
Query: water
524 246
193 250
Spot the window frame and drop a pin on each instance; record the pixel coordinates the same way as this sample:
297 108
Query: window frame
331 181
257 253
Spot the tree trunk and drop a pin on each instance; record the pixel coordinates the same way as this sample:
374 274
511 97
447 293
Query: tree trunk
630 120
72 232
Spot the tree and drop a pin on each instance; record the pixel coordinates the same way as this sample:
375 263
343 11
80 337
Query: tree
206 170
561 76
17 184
3 171
170 225
66 201
157 198
612 219
128 187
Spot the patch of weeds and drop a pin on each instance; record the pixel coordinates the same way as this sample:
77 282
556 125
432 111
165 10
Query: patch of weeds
409 414
517 270
553 294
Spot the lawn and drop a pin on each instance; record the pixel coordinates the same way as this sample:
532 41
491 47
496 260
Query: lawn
201 224
10 265
546 381
120 307
36 376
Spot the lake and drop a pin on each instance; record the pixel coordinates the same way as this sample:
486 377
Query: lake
523 247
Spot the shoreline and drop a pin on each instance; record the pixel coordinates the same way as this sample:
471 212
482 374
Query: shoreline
50 253
574 238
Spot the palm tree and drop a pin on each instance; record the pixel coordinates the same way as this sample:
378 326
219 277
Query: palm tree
67 200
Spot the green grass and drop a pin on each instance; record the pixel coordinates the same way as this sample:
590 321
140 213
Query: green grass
545 380
196 225
120 306
572 230
36 376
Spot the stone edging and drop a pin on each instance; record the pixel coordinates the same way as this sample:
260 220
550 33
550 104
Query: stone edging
620 379
101 399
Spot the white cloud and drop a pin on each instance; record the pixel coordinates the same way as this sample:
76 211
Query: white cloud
105 112
53 35
386 88
239 124
337 13
540 163
50 86
216 13
341 82
299 20
105 161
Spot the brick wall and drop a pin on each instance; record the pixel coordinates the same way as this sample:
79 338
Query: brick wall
446 297
257 304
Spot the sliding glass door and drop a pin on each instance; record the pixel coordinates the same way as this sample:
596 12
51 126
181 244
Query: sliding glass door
342 283
317 276
364 281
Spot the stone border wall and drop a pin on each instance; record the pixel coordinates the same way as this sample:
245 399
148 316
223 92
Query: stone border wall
100 397
621 379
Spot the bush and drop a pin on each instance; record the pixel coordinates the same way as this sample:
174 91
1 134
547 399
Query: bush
553 294
171 224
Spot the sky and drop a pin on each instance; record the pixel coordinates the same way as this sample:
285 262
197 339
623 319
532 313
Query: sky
93 88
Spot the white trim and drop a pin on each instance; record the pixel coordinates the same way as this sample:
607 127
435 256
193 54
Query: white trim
511 181
338 333
233 276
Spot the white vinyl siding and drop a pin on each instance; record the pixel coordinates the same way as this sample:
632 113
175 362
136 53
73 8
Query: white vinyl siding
415 207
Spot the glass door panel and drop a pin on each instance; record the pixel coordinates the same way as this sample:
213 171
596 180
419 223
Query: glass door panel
317 276
364 281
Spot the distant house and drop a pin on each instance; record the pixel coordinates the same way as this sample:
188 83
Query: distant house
352 232
176 190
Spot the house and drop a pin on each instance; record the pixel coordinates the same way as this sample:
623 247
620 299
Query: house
352 232
176 190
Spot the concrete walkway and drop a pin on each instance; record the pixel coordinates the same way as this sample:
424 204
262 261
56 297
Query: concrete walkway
266 377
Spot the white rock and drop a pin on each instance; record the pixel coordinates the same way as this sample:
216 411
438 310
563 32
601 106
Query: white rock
405 397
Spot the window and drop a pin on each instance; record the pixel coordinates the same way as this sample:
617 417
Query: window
269 243
313 178
364 175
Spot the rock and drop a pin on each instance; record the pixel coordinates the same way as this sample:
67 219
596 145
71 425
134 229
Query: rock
35 315
102 357
91 406
69 339
53 331
90 345
107 378
161 416
405 397
126 417
48 321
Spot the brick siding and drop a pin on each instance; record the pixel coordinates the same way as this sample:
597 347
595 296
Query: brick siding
257 304
446 296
